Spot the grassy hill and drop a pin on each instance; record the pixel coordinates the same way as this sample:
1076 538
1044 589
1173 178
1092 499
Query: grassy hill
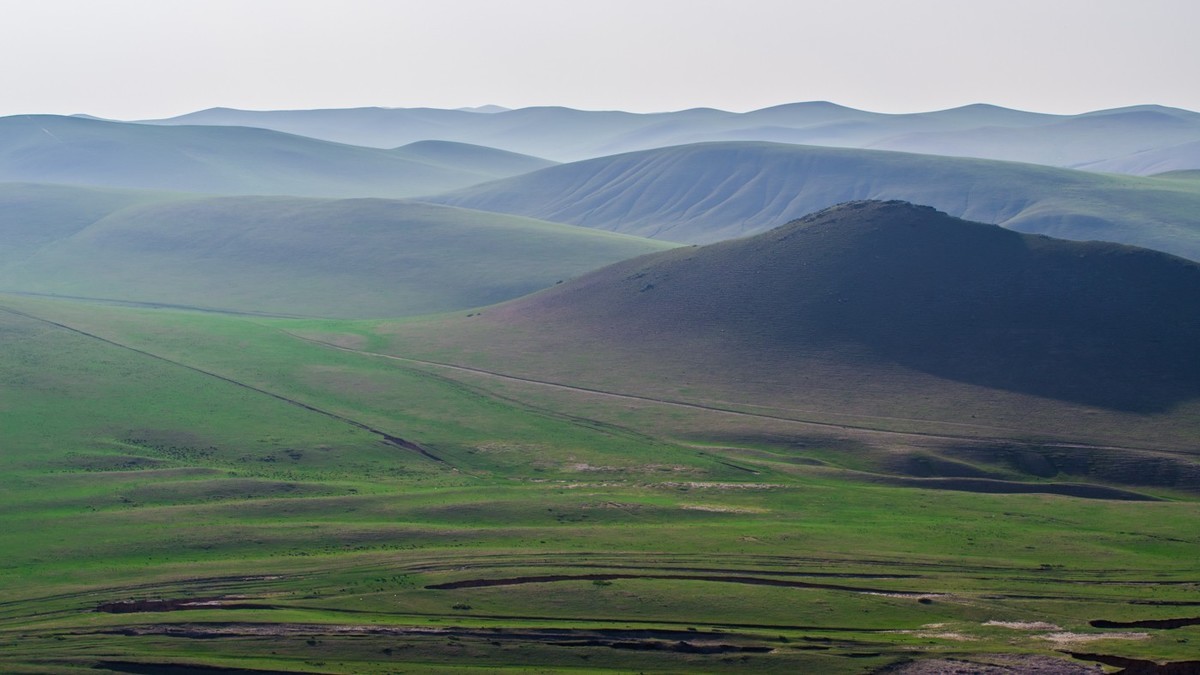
231 160
1103 139
880 314
712 191
315 257
34 215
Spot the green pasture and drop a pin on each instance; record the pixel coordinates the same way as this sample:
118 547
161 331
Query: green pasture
156 455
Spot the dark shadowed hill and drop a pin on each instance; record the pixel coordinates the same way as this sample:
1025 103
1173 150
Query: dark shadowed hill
712 191
232 160
875 310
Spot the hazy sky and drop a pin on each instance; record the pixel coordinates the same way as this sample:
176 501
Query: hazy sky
131 59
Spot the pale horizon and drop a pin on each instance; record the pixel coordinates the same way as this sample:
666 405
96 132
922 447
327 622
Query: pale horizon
138 59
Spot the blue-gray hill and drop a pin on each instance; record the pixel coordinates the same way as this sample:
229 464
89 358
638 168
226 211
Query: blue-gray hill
229 160
1100 139
286 255
712 191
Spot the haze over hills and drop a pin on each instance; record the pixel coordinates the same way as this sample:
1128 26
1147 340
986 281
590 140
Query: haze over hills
286 255
875 311
33 215
712 191
233 160
1113 141
790 451
1101 140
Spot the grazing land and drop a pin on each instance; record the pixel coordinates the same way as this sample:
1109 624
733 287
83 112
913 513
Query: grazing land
203 492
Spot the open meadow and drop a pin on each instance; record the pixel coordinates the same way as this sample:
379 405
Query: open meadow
288 500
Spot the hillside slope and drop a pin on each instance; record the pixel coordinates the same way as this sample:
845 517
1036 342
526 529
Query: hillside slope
712 191
875 312
323 257
487 163
229 160
33 215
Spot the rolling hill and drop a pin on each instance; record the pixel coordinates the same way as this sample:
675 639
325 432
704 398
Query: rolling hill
287 255
233 160
1101 139
34 215
1114 141
712 191
881 314
486 163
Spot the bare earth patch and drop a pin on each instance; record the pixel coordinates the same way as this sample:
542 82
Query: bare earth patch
1024 625
722 509
343 340
1068 638
998 664
720 486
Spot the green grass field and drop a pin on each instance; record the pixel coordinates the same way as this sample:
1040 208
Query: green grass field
277 504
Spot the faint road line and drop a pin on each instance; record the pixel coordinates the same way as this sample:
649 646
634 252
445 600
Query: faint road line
699 406
387 438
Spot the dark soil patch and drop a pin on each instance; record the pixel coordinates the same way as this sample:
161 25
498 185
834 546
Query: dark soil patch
753 581
989 486
687 642
132 606
726 570
180 669
1140 667
681 646
1166 603
1147 623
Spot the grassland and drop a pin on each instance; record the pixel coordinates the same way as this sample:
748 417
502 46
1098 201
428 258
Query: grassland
253 490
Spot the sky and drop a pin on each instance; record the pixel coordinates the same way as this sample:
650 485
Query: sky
140 59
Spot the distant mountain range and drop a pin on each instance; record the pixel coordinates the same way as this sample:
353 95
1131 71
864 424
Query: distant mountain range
712 191
1137 140
696 193
236 160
